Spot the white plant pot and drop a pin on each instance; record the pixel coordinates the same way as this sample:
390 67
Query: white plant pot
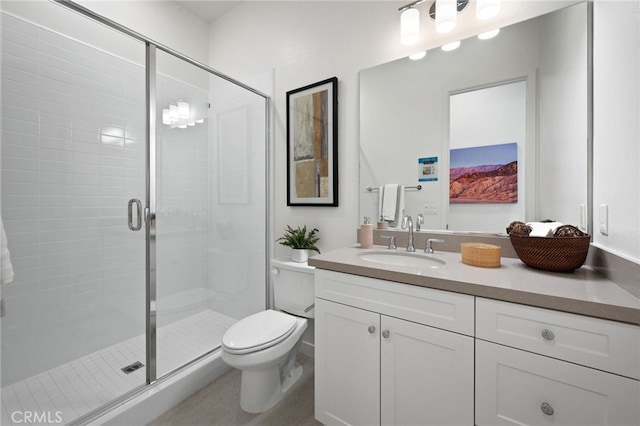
299 255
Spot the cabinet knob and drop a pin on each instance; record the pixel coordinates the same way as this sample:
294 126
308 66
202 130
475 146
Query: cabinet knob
547 409
548 334
386 334
372 329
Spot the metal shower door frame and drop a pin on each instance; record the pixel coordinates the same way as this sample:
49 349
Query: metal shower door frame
149 215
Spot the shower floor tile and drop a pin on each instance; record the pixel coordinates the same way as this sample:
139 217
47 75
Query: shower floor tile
66 392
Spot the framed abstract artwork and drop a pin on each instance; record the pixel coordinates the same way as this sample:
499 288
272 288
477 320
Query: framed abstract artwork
312 144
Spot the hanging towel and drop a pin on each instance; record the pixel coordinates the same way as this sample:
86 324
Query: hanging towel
389 202
6 269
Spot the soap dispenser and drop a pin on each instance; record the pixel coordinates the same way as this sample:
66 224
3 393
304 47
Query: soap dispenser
366 234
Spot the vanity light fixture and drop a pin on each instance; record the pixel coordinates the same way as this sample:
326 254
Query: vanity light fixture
183 109
446 13
418 55
489 34
173 113
451 46
486 9
409 26
180 115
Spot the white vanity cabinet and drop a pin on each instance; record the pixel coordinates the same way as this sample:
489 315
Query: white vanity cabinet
389 353
538 366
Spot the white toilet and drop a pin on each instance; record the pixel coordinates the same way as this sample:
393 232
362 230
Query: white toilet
264 345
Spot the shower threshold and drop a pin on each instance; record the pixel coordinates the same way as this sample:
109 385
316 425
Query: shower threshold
66 392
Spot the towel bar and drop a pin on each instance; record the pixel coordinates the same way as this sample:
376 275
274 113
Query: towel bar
417 188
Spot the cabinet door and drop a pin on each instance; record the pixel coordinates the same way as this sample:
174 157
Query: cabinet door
515 387
347 357
426 375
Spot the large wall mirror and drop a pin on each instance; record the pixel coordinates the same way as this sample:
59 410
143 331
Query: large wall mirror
409 111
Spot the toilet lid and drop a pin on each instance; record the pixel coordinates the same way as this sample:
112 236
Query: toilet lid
258 331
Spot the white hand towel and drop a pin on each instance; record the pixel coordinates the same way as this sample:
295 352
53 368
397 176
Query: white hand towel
400 206
389 201
6 268
543 229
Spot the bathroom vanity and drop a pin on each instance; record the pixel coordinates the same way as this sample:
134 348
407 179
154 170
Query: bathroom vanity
441 342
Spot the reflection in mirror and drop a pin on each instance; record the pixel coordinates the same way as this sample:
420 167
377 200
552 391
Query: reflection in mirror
487 156
405 116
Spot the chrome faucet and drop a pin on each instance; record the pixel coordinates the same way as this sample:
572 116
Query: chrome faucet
419 221
428 248
407 222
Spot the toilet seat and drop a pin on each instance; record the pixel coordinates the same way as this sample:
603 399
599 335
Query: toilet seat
258 331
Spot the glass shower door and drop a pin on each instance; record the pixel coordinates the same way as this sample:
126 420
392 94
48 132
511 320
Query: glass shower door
211 209
72 155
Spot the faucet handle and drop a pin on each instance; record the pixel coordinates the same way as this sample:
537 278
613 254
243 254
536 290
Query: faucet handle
392 241
428 248
406 221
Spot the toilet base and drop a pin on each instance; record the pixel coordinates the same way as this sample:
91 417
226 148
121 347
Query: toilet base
261 390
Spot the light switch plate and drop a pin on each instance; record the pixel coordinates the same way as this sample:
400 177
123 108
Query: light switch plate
604 219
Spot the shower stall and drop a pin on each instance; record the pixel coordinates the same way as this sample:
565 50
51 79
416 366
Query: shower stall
133 208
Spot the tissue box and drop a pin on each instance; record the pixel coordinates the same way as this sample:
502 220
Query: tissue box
479 254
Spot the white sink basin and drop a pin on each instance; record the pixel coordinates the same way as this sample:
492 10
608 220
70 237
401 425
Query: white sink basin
401 259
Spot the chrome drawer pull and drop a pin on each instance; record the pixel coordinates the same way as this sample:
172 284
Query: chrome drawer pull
548 334
371 329
547 409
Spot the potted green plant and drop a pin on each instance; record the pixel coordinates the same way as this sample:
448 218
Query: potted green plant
300 241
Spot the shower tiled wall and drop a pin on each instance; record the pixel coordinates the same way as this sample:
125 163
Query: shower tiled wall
73 127
73 154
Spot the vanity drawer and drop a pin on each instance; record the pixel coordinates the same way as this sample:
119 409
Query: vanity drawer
515 387
436 308
602 344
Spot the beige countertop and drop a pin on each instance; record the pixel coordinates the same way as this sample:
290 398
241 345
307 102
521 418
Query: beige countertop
582 292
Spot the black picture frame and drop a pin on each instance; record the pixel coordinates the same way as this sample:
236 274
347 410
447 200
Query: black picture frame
312 144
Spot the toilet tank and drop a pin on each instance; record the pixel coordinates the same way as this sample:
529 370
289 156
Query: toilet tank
293 290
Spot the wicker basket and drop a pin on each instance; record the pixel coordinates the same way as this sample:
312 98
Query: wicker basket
556 254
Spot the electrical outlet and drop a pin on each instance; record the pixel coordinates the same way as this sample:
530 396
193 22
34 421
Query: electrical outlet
431 209
604 219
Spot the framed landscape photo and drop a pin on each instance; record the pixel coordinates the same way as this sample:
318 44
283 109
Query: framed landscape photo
312 144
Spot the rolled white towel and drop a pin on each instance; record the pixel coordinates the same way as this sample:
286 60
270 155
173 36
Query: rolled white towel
543 229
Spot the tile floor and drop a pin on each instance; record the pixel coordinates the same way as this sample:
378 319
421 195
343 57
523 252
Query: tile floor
73 389
218 404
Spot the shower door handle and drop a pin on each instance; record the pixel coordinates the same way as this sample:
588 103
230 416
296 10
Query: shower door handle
138 224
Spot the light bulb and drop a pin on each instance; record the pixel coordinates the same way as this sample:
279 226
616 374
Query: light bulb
418 55
173 113
486 9
451 46
446 12
489 34
409 26
183 109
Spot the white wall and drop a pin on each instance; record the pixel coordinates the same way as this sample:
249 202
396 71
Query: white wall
164 22
616 124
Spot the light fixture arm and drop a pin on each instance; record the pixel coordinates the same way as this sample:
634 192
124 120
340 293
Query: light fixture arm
410 5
